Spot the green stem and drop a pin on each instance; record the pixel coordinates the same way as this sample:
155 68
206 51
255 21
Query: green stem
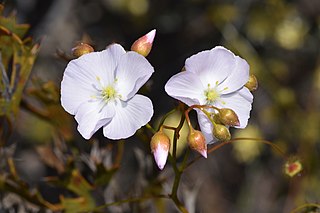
179 204
202 108
165 117
148 126
176 136
305 206
178 172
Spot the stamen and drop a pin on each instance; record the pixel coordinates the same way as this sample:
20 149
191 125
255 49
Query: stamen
212 94
224 89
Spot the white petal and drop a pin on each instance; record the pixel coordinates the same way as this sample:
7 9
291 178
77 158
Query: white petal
129 117
81 74
74 91
239 101
186 87
91 116
132 72
212 66
206 127
238 77
110 58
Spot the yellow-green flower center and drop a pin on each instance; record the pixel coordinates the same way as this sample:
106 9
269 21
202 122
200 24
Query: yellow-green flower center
211 94
109 93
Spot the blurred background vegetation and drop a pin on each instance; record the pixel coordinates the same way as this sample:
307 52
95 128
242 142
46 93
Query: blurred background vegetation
44 162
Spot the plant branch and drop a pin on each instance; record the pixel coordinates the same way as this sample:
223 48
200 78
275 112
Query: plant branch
305 206
218 146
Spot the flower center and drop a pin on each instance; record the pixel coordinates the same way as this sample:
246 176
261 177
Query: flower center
211 94
105 93
108 93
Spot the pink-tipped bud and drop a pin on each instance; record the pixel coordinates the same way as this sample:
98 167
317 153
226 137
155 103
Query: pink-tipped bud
160 146
221 132
144 44
228 117
252 83
81 49
197 142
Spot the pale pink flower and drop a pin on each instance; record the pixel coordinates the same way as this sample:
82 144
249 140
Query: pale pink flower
100 88
213 77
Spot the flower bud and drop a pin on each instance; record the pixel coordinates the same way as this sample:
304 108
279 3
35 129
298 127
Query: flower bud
292 167
252 83
144 44
160 146
221 132
81 49
228 117
197 142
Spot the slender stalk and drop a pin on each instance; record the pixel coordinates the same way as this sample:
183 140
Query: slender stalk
218 146
179 204
165 117
273 145
202 108
306 205
176 136
168 127
178 172
148 126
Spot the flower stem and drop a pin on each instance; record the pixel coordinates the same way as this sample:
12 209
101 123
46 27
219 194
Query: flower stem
305 206
202 108
165 117
148 126
218 146
178 172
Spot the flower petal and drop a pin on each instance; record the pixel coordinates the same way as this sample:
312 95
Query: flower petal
206 127
186 87
74 91
110 58
240 102
238 77
160 156
132 72
129 117
81 74
212 66
91 116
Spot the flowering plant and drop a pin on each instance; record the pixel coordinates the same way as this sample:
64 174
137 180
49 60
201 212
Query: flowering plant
102 91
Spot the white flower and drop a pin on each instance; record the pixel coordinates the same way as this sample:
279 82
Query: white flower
213 77
100 88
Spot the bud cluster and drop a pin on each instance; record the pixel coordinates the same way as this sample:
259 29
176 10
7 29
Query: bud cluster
224 118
